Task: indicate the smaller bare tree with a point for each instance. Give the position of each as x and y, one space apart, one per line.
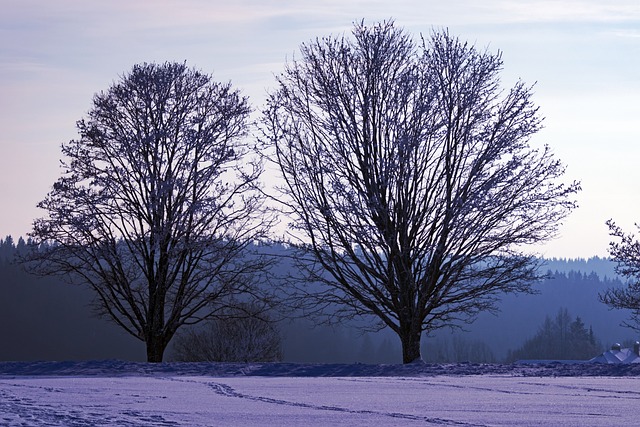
244 334
158 207
626 253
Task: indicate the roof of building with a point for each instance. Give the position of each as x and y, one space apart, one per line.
617 355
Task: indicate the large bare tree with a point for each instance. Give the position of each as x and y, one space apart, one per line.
157 205
410 178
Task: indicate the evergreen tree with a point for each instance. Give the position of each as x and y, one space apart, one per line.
6 249
559 339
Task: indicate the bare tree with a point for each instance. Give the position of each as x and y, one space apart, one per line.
626 254
410 178
157 203
245 334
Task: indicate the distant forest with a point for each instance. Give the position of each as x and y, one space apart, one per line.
44 318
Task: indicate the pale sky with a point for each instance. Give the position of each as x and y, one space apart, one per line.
583 54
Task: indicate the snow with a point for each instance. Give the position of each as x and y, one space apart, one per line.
618 355
100 393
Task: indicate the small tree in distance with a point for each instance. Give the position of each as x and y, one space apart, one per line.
157 205
410 179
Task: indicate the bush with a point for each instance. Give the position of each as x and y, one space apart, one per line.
239 336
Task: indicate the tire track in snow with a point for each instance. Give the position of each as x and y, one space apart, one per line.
536 388
603 393
444 384
228 391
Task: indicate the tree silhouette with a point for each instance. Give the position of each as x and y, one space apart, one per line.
157 203
626 254
410 178
559 339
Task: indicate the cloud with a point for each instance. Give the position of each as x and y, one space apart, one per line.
625 33
569 10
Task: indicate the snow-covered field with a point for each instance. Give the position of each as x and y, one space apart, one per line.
138 394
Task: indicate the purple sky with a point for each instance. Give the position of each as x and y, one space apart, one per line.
583 54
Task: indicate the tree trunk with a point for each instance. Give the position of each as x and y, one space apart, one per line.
411 346
155 349
156 342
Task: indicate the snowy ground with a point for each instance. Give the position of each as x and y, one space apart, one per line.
138 394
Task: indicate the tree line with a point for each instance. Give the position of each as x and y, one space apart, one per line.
44 318
408 179
9 249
